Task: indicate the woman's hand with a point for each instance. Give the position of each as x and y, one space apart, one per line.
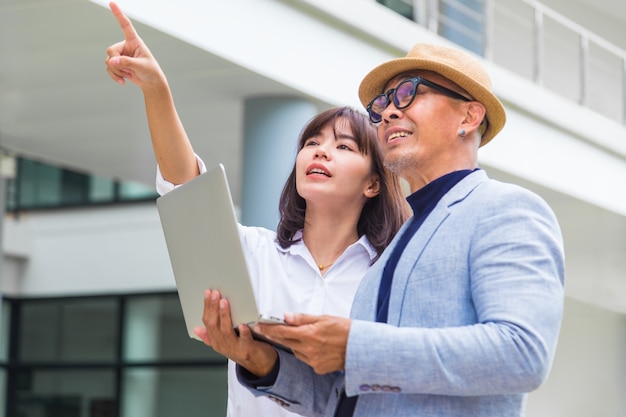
131 59
257 357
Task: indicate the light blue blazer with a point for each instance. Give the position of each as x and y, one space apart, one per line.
474 315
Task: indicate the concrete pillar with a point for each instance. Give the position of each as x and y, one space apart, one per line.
272 126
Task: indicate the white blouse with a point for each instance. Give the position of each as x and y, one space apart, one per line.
288 280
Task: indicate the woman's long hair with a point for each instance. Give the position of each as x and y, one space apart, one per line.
381 216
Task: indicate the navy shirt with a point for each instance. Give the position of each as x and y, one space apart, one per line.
423 201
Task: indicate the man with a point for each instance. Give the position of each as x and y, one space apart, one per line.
461 314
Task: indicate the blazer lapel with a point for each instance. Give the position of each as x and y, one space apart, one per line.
413 251
365 301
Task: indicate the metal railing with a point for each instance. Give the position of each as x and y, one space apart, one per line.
536 42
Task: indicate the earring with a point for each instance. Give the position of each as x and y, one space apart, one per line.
462 132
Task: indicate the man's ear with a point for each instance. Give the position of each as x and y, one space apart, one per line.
474 115
373 188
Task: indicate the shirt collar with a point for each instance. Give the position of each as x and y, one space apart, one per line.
427 197
298 248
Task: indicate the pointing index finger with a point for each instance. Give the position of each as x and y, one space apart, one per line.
127 27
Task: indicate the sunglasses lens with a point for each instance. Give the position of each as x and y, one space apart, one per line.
404 94
376 108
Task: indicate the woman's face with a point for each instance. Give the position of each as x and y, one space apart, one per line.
331 169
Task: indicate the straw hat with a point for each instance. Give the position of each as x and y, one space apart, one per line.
455 65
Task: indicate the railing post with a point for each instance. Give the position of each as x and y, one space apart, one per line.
433 16
428 14
624 90
488 39
584 69
420 12
538 46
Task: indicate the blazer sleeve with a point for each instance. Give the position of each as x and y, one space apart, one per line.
297 387
482 307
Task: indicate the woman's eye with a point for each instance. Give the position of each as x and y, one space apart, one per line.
310 143
346 147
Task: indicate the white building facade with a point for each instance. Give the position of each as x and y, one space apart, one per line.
90 323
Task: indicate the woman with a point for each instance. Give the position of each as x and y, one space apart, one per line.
338 209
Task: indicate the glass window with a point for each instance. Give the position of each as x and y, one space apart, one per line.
462 22
67 393
149 392
403 7
72 360
3 390
74 188
68 330
154 329
135 191
5 319
39 185
101 189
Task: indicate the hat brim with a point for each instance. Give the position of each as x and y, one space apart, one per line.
374 83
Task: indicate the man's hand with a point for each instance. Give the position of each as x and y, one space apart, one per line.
319 341
257 357
131 59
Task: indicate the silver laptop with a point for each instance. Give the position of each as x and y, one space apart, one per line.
200 227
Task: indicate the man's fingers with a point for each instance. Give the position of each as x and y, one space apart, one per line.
284 334
127 27
292 332
300 319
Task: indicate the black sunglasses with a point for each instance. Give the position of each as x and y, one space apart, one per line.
403 96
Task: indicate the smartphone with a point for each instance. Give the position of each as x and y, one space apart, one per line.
266 319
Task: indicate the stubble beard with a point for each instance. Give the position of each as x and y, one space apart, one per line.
401 163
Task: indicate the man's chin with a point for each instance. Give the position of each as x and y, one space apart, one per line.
397 163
